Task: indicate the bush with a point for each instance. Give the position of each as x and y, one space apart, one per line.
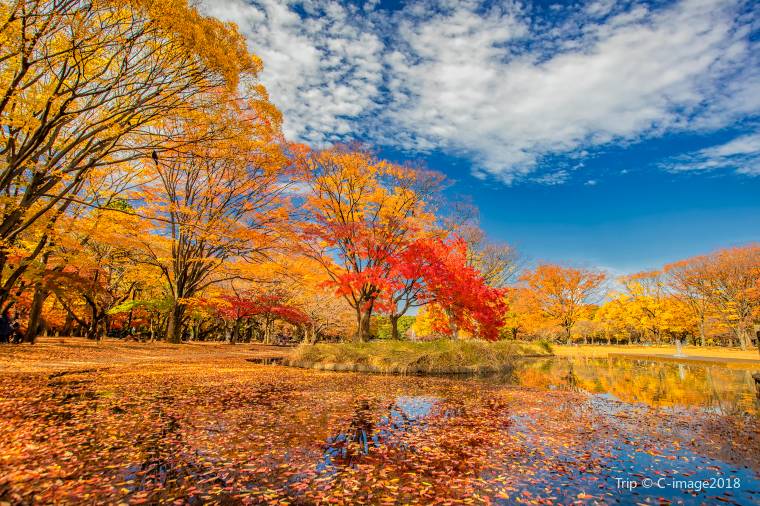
441 356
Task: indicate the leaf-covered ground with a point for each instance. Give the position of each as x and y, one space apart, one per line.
203 425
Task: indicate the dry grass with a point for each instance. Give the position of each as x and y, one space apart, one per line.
405 357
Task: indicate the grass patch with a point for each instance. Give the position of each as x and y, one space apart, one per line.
405 357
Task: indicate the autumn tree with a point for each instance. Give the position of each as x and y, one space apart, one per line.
407 282
655 311
498 263
616 318
93 270
267 307
520 317
562 294
460 295
362 212
311 292
216 196
689 281
732 277
80 85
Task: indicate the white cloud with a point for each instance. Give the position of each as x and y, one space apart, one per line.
591 182
322 69
637 73
600 8
497 83
552 178
741 155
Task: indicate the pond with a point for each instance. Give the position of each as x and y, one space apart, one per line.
619 459
593 431
662 384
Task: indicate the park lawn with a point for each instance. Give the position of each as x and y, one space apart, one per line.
52 354
593 350
441 356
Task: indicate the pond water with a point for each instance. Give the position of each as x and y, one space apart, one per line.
557 430
662 384
621 460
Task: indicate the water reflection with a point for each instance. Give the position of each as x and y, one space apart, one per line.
572 454
308 438
371 426
713 388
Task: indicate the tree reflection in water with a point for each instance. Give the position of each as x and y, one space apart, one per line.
372 426
712 388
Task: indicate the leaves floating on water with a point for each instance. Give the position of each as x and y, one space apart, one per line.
223 430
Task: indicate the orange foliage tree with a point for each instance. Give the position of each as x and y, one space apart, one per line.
81 83
362 212
215 196
654 310
732 288
561 294
689 282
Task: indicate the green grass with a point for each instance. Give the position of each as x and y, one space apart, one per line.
405 357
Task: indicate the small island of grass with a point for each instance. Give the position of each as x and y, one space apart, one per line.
441 356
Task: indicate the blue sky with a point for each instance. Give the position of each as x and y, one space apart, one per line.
613 134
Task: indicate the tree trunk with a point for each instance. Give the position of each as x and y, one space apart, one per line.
363 324
268 329
129 323
174 326
366 325
394 327
702 331
308 329
35 313
453 327
358 336
741 333
92 329
314 334
737 332
68 325
235 331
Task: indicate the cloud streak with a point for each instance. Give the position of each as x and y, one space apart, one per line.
740 155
